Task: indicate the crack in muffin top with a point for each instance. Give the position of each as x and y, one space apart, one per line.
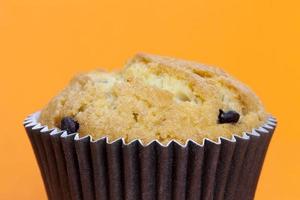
156 97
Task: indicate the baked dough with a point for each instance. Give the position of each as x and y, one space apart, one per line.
156 97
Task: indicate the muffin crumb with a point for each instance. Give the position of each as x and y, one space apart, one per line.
156 97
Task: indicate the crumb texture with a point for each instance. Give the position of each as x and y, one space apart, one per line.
156 97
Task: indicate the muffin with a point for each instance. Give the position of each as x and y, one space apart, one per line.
161 128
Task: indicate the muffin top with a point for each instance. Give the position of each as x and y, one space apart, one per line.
156 97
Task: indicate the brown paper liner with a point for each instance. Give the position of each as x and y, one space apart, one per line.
80 168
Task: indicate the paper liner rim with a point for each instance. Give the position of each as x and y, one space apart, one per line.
32 121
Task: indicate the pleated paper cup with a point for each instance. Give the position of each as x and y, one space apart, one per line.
75 168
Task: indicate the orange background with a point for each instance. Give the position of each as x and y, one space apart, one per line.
44 43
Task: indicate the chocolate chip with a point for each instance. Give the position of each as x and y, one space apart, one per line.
69 124
230 116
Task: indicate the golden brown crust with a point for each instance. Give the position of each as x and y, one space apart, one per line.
156 97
